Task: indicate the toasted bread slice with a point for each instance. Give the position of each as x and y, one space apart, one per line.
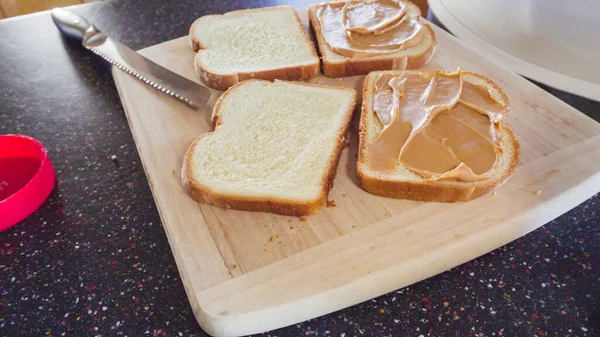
403 183
336 65
275 147
267 43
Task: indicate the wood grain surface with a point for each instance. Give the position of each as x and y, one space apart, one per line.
10 8
249 272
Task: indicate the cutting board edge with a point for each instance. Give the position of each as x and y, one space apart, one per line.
223 274
216 306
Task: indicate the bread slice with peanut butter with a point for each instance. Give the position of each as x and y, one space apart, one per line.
434 136
356 37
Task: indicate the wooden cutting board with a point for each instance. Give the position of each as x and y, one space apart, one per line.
249 272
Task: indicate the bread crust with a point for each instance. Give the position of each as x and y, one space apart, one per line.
434 191
224 81
361 66
203 194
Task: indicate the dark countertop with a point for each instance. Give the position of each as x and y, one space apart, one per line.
94 259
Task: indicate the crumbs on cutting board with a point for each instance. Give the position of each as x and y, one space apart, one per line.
331 203
303 219
538 192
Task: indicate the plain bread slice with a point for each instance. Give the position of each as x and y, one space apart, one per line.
275 147
266 43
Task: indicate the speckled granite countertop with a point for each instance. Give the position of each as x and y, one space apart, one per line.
94 259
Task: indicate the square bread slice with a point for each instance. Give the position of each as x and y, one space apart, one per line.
266 43
275 147
403 183
336 65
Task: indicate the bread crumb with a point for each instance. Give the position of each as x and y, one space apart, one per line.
173 171
113 157
343 195
303 219
234 266
538 192
271 238
291 227
281 243
266 250
277 236
331 203
494 192
345 142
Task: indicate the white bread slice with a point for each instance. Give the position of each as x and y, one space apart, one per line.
336 65
267 43
275 147
404 183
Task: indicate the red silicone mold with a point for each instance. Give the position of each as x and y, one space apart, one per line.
26 178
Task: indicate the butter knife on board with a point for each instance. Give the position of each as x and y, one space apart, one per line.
128 60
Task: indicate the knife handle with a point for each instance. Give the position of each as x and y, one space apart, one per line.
70 24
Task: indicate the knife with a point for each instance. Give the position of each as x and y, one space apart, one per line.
77 27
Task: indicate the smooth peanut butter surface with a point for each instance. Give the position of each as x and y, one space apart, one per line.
437 125
369 27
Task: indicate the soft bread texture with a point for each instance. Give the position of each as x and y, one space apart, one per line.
267 43
275 147
405 184
336 65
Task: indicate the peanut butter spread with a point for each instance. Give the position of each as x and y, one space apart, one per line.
363 28
436 125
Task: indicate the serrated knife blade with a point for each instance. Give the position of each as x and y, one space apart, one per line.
130 61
